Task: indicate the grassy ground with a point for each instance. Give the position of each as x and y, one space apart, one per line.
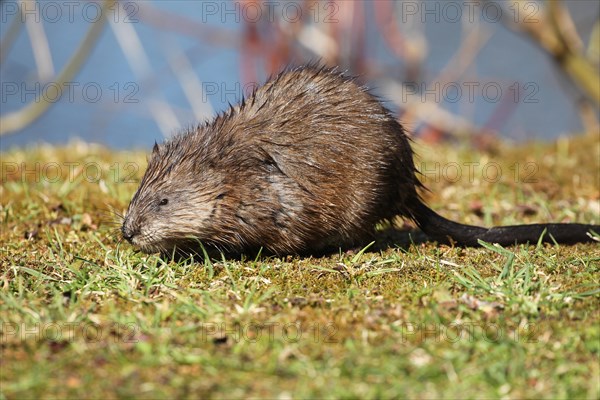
83 315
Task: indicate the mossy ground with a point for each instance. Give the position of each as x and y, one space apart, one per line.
83 315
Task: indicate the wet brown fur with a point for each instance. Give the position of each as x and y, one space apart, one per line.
309 160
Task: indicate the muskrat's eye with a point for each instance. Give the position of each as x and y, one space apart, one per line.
163 202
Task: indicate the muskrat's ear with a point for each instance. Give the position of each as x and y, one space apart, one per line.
155 148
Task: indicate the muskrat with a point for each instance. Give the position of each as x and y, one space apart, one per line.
308 161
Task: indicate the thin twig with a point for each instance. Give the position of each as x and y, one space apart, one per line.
136 56
39 45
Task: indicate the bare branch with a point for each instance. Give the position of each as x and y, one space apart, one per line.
9 37
16 120
555 33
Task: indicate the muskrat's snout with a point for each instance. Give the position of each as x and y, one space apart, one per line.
127 231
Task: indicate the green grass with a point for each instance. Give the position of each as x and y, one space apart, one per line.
83 315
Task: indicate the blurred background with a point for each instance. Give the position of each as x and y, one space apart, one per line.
127 73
